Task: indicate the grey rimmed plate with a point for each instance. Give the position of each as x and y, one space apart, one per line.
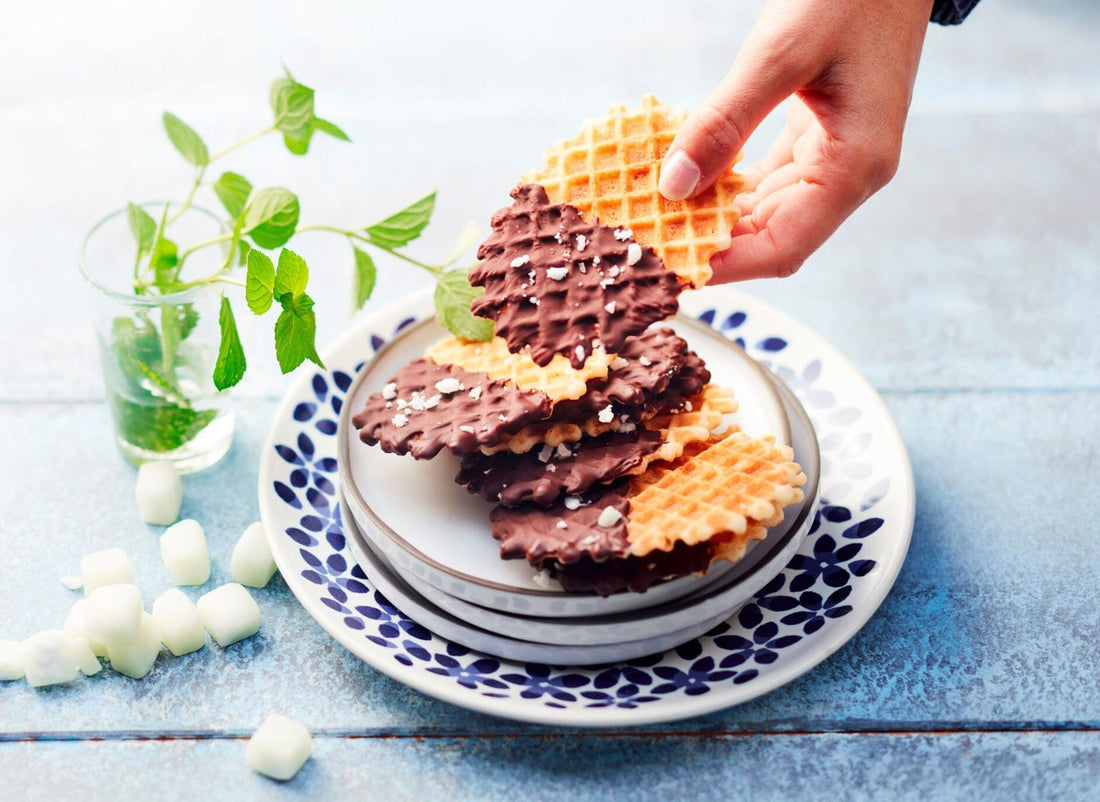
431 529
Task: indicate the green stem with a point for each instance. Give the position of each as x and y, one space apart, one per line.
204 244
190 197
243 142
435 270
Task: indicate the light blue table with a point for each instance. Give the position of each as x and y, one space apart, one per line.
966 292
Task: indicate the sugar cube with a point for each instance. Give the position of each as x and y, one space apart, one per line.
229 613
76 627
159 493
48 658
107 567
113 614
251 563
183 549
11 660
178 622
86 661
135 657
279 748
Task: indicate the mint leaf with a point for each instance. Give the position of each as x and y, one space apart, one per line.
292 104
333 130
299 147
233 190
158 426
185 140
231 364
142 225
164 257
291 275
453 295
404 226
362 282
259 282
271 217
295 331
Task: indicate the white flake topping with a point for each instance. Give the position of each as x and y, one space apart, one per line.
557 273
400 420
389 392
633 253
551 468
467 429
582 242
579 351
610 307
534 301
609 516
475 392
563 452
545 453
449 385
572 502
618 363
561 524
520 261
606 415
623 234
644 361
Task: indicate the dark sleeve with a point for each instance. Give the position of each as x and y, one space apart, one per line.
952 12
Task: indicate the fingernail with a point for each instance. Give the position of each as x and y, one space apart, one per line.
679 176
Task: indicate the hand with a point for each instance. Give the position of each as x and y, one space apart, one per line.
850 66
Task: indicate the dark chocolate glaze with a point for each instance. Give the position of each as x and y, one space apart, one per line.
631 573
534 532
598 296
420 419
543 474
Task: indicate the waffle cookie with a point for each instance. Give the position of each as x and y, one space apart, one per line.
706 505
557 379
558 285
426 407
609 172
543 474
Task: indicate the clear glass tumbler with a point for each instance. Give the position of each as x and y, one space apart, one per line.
158 351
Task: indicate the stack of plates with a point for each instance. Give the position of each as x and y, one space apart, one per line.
426 544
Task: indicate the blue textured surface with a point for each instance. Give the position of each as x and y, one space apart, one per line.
966 291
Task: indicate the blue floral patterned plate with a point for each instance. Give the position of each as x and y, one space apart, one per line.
843 571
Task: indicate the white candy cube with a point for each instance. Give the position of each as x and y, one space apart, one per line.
107 567
252 564
113 614
11 660
135 657
178 622
229 614
159 493
279 748
48 658
75 627
86 661
183 549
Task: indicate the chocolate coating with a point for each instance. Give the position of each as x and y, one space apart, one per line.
415 414
534 532
635 574
542 475
558 284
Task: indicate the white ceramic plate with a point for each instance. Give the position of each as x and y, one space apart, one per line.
419 609
728 593
446 542
827 591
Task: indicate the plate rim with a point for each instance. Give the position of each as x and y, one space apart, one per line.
682 707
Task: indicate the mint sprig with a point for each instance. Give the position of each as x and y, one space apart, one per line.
262 220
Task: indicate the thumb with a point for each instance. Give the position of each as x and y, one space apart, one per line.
712 136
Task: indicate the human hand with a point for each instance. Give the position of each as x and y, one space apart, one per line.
850 66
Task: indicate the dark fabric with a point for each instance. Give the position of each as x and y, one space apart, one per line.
952 12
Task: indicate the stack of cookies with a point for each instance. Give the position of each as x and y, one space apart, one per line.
591 427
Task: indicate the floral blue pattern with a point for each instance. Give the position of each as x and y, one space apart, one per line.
795 607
